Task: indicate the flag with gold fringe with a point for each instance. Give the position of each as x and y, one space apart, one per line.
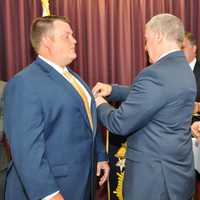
116 146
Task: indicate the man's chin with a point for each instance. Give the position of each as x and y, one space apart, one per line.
73 56
72 59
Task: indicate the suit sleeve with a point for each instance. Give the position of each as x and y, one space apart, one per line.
145 98
100 147
24 126
119 93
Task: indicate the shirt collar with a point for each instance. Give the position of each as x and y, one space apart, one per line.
59 69
192 64
165 54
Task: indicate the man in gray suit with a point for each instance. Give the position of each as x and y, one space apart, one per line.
155 115
3 154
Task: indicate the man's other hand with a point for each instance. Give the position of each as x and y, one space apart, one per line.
103 169
102 89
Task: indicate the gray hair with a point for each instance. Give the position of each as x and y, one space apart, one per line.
170 25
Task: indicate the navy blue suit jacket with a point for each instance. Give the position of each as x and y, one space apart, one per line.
156 116
51 141
196 72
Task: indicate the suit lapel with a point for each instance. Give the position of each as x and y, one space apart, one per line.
196 69
196 72
53 74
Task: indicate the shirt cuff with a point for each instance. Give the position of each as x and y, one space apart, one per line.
50 196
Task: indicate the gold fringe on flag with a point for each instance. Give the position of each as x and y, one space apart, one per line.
45 6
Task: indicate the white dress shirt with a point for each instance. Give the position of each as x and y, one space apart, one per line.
192 64
164 54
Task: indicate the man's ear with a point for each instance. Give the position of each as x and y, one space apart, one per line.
159 36
47 42
194 48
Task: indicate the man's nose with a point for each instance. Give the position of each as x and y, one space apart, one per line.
145 47
74 40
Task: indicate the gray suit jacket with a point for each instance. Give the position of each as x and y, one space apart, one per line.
156 116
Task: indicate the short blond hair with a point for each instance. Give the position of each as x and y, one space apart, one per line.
169 25
41 26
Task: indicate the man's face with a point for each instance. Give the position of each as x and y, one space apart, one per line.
63 43
189 50
150 45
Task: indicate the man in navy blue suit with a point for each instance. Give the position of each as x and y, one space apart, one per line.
50 122
155 114
190 51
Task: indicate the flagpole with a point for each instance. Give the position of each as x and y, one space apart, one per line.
107 151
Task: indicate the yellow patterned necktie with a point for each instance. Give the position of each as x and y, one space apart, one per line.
81 92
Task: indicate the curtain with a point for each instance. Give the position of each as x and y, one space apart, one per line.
109 33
